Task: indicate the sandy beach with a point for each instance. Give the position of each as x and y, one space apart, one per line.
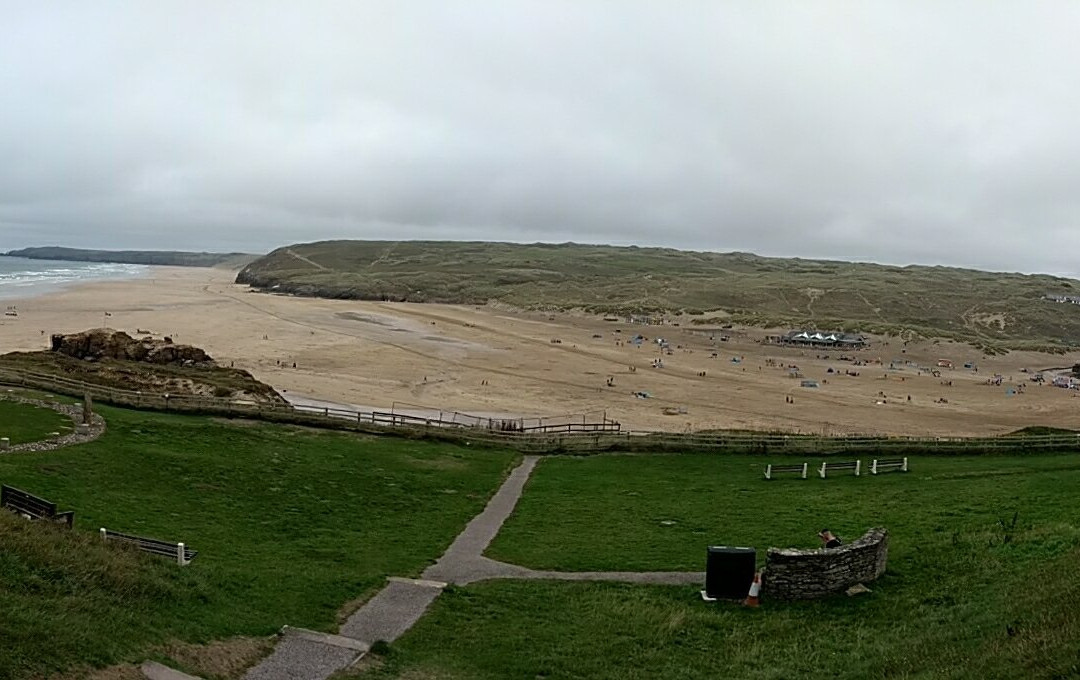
488 361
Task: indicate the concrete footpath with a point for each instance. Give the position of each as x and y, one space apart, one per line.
402 602
307 655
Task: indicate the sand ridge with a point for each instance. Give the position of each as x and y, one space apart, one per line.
491 360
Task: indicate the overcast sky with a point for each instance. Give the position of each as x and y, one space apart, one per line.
907 132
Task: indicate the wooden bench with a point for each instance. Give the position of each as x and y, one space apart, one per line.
32 507
846 465
176 551
885 465
770 469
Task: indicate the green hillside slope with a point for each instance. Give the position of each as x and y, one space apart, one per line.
994 309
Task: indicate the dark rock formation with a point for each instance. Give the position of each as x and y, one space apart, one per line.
114 359
808 574
108 344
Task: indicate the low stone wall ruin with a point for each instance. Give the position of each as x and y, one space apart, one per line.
807 574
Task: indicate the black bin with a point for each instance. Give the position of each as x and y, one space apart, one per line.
729 571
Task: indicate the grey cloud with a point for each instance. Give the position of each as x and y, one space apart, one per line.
897 132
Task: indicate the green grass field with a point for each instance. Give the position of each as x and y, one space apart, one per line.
289 523
967 594
292 523
22 423
992 309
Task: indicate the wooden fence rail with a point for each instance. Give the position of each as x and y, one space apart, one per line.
574 438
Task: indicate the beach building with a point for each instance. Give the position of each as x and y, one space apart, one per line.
1070 299
808 338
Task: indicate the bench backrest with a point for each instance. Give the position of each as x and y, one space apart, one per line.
885 465
19 500
150 545
770 469
844 465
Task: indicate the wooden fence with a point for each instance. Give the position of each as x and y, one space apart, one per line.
574 438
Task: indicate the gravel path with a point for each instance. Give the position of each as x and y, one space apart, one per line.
663 578
402 602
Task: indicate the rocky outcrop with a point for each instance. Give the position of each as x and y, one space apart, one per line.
808 574
103 343
114 359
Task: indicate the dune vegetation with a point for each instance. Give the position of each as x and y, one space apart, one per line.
994 310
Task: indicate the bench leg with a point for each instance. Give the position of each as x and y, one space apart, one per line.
180 554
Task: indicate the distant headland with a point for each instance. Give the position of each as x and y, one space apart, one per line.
165 258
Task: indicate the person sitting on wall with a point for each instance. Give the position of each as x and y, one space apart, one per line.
829 539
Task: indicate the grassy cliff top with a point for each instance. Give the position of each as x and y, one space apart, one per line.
988 308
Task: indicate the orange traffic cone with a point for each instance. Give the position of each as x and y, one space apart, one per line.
752 600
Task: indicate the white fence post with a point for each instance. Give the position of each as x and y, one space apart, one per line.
804 467
180 554
768 471
905 464
104 536
873 467
858 464
822 470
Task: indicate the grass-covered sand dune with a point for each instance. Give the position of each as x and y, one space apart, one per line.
990 308
290 524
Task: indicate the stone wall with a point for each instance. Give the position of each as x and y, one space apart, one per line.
808 574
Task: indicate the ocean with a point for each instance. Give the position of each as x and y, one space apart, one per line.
23 278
